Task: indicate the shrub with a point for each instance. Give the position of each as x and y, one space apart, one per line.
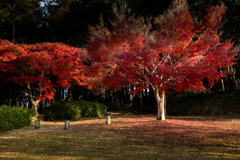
74 110
204 104
12 118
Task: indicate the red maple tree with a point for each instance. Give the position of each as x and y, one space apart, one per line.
179 53
41 67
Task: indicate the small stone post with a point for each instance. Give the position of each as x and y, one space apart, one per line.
108 122
67 125
37 124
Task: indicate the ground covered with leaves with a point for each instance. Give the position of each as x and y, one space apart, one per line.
128 137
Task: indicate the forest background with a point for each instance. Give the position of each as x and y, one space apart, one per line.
67 21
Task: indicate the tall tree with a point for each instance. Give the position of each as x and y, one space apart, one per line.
68 20
42 68
179 53
146 8
14 11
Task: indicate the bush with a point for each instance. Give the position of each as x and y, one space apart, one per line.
12 118
74 110
204 104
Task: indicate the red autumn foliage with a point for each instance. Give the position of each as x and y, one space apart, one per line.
42 67
178 54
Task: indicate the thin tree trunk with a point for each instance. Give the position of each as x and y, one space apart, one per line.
95 98
62 96
46 103
18 98
223 87
29 103
146 95
17 103
10 99
120 97
127 93
165 104
13 98
132 95
141 99
43 105
234 77
14 31
70 94
40 107
232 74
111 94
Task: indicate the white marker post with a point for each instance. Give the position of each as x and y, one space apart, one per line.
108 120
67 125
37 124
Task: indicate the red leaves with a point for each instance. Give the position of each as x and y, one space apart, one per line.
44 65
214 16
178 53
46 96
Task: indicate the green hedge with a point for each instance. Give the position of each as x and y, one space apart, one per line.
11 118
74 110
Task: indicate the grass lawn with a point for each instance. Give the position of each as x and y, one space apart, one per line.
128 137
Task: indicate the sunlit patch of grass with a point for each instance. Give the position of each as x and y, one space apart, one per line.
128 137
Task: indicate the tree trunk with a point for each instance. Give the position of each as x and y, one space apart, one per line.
34 102
223 87
165 104
146 95
35 105
127 93
160 104
119 97
18 98
10 98
17 104
40 108
69 94
112 98
14 41
141 99
232 74
46 103
95 98
43 105
62 96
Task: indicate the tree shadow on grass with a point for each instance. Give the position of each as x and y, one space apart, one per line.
125 138
205 118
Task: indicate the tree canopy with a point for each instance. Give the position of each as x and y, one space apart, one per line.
41 67
178 54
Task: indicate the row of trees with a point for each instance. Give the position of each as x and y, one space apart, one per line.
130 54
25 21
34 21
43 20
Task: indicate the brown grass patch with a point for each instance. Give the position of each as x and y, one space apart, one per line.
128 137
